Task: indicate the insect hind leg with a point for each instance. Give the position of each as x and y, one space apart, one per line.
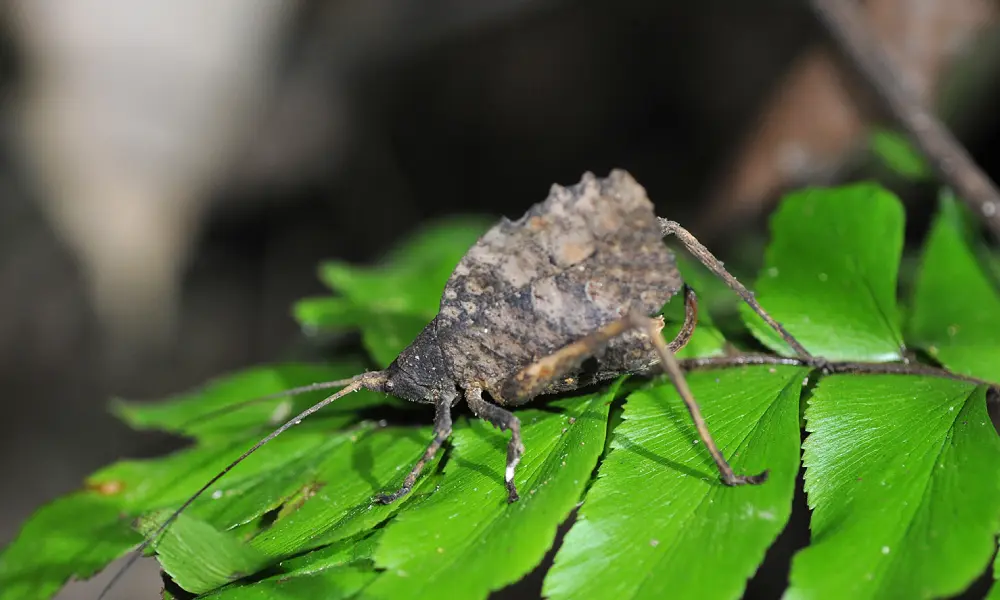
676 374
699 251
539 377
536 377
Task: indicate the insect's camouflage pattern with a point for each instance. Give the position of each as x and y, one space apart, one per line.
585 257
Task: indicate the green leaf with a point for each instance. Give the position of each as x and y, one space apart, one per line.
899 156
257 485
437 247
956 307
339 502
384 333
220 408
329 584
465 540
322 482
385 337
391 303
345 552
340 570
830 274
995 590
324 485
75 536
903 475
197 556
320 313
659 519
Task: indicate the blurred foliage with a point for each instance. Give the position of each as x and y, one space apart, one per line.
897 155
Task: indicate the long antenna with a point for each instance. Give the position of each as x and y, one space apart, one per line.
369 380
290 392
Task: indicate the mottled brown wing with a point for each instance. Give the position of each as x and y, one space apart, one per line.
573 263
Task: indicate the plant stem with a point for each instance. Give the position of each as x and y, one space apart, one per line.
946 155
830 367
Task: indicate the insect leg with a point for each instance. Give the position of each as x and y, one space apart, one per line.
534 379
537 378
706 258
504 420
673 369
442 431
690 320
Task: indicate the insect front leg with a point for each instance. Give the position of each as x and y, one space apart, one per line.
503 420
442 431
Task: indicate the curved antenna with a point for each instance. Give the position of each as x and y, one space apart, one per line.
290 392
371 380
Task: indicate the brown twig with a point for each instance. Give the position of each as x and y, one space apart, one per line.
944 153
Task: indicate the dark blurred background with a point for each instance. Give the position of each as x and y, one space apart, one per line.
171 171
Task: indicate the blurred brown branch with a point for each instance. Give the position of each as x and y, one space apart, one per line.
946 155
818 116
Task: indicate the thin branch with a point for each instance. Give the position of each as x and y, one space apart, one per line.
828 367
740 360
945 154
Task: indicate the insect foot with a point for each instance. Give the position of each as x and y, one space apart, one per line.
514 452
733 480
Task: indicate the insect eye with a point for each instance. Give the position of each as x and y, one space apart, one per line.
389 385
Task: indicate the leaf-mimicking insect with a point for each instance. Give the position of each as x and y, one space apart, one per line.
572 283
